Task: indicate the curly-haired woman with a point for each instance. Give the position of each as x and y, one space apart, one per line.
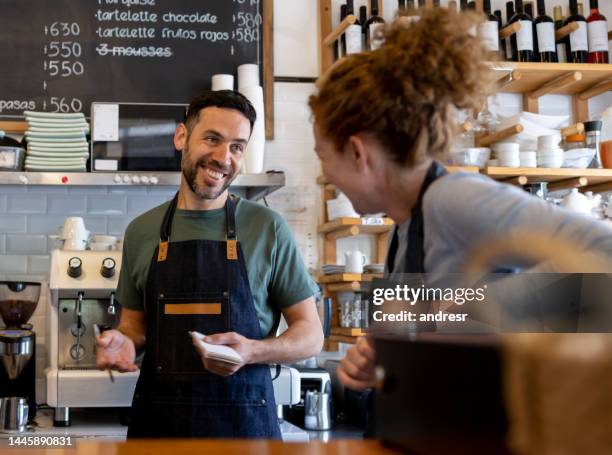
384 120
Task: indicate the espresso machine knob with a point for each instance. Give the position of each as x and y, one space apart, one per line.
108 268
74 267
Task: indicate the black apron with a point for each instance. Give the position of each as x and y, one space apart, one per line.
199 285
415 253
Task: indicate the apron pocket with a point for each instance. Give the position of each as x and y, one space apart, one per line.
177 315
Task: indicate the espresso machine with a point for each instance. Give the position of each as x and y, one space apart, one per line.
82 287
18 300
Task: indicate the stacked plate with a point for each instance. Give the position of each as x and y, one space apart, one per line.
374 268
508 154
528 158
549 155
56 142
332 269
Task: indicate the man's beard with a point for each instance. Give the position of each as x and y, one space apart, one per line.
190 172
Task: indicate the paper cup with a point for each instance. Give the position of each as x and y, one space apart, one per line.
248 76
254 156
222 82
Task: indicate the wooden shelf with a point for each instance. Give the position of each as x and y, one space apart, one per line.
333 340
347 332
362 226
321 180
348 277
563 178
537 75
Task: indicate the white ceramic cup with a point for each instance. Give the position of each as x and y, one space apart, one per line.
222 82
102 246
354 261
74 244
248 76
74 228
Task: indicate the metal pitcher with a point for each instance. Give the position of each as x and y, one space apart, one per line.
317 411
13 414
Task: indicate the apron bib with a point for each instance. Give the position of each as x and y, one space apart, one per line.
199 285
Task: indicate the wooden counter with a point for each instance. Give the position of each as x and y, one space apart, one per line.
214 447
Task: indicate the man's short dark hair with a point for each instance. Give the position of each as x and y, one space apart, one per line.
226 99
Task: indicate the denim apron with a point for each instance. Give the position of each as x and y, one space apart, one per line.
199 285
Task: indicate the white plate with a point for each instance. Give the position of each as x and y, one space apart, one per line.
55 169
58 130
80 148
36 153
58 144
58 115
55 140
68 135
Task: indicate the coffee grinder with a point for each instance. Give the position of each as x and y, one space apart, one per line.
18 300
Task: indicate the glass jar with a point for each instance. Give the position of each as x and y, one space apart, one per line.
573 141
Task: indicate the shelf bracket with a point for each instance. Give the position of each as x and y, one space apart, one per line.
339 30
566 30
578 128
509 30
521 180
597 89
342 233
530 100
487 140
578 182
556 84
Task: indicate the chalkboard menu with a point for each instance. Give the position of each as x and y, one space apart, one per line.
60 55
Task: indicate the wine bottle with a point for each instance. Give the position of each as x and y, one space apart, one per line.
558 15
597 28
421 4
463 5
353 32
373 24
529 12
488 31
546 35
522 41
436 3
509 16
401 5
502 43
414 14
343 37
577 43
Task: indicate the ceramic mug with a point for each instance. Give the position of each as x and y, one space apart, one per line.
74 228
354 261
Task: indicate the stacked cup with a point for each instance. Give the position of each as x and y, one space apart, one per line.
549 154
528 158
508 154
249 86
222 82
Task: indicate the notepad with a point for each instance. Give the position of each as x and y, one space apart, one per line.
217 352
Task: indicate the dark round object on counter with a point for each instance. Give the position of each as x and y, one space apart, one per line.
7 141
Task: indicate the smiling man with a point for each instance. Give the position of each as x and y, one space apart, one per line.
219 265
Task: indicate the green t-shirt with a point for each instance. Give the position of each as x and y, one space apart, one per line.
277 275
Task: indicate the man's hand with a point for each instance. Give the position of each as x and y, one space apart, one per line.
356 370
115 351
240 344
